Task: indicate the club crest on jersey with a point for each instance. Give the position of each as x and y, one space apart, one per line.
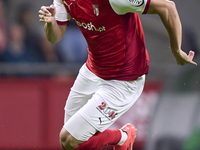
96 9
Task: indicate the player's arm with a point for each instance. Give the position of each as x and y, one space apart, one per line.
170 18
53 31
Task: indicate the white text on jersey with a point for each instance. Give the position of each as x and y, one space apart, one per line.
89 26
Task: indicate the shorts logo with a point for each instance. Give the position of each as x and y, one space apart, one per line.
106 111
100 120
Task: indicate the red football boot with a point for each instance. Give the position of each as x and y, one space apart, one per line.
128 144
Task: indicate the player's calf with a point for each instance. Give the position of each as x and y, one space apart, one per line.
67 141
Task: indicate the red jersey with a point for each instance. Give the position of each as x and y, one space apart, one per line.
116 44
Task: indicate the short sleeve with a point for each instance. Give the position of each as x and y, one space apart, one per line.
62 16
126 6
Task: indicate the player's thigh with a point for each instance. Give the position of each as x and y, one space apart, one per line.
110 101
82 90
79 128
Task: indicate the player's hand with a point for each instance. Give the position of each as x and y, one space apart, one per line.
182 58
47 14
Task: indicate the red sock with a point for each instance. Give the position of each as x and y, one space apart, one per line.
100 139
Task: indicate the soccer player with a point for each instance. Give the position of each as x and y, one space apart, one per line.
113 77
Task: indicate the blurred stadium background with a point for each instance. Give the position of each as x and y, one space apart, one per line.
35 78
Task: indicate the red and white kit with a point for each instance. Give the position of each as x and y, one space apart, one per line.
113 77
116 43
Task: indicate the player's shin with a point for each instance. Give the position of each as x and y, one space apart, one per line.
100 139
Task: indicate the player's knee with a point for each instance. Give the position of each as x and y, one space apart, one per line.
67 141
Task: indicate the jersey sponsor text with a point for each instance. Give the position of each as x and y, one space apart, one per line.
89 26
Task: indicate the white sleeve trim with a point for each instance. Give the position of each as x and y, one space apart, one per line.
125 6
61 13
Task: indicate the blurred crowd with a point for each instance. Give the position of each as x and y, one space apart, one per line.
22 42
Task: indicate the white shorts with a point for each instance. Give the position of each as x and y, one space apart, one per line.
100 102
